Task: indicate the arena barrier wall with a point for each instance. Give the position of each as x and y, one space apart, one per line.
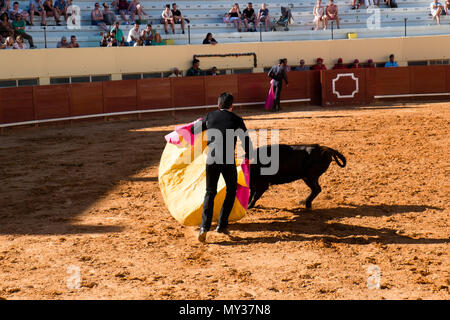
46 103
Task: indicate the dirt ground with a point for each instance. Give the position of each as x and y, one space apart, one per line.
85 197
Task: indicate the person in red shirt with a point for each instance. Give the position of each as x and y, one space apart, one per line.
355 64
339 65
319 65
370 64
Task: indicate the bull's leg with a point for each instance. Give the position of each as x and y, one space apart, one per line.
260 189
313 184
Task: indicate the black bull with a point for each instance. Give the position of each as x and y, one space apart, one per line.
307 162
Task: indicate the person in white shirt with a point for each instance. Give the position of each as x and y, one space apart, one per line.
175 73
19 44
319 13
167 17
436 10
133 35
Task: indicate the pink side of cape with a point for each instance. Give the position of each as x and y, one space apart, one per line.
270 97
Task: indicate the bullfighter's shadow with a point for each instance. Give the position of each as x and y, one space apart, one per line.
310 225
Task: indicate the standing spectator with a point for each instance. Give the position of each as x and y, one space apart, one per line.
249 16
263 16
37 9
391 63
355 64
209 39
302 66
235 16
339 65
118 34
73 42
175 73
319 15
19 43
19 29
6 28
319 65
278 73
370 64
195 70
50 11
133 35
16 10
177 16
436 9
63 43
97 17
167 18
109 17
331 12
61 8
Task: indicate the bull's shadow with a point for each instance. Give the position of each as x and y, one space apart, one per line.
309 225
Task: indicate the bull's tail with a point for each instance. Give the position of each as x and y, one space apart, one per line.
337 156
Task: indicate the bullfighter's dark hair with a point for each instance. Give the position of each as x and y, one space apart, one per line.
225 100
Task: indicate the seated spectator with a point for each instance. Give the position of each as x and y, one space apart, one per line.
97 18
73 42
148 35
357 3
263 16
175 73
302 66
109 17
19 30
50 11
213 72
319 65
121 6
370 64
9 43
118 33
331 12
339 65
104 40
391 63
63 43
391 3
167 18
135 8
112 39
209 39
16 10
61 8
19 43
355 64
177 17
133 35
235 16
157 40
37 9
446 5
195 70
436 9
6 28
4 6
249 16
319 15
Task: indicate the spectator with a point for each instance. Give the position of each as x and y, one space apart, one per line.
213 72
9 43
263 16
209 39
157 40
370 64
148 35
235 16
167 18
50 11
175 73
135 8
331 12
357 3
319 15
73 42
391 3
19 29
447 4
436 9
16 10
302 66
19 43
391 63
195 70
319 65
249 16
177 17
6 28
104 40
133 35
97 17
355 64
37 9
118 33
63 43
61 8
339 65
4 6
112 39
109 17
121 7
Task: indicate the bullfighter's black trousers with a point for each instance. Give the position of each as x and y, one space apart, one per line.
229 174
277 91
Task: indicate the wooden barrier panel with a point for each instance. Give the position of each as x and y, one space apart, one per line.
215 85
253 87
298 86
119 95
51 101
315 87
16 104
188 91
343 87
427 79
86 98
390 81
154 93
447 78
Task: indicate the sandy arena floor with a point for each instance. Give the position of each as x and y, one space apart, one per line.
86 196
